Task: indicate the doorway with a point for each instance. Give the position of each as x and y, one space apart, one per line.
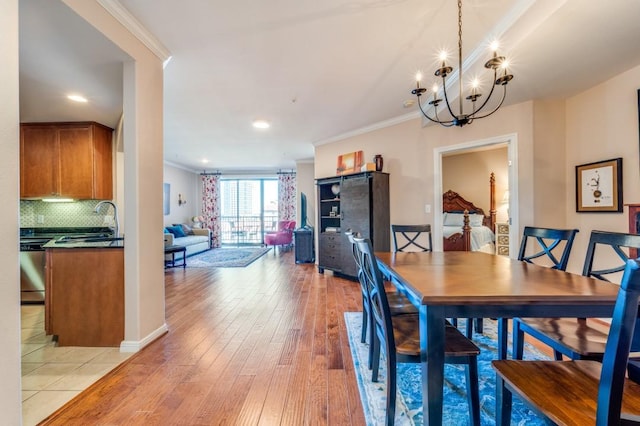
509 141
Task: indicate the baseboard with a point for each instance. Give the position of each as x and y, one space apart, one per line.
136 345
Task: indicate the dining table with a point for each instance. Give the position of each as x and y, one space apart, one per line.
458 284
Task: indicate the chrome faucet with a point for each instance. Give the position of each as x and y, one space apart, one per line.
115 215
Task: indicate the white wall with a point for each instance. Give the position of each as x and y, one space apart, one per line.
306 183
10 387
143 169
187 184
602 123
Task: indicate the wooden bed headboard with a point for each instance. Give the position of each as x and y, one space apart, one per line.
453 202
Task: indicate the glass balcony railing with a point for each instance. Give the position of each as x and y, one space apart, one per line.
246 230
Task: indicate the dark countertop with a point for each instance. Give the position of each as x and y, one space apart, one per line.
71 244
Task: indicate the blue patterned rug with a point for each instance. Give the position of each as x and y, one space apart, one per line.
226 257
409 400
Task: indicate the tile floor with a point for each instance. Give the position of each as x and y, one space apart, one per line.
51 375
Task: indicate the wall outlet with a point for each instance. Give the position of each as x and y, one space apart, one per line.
427 208
40 218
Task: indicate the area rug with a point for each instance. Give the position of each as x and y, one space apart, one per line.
409 399
237 257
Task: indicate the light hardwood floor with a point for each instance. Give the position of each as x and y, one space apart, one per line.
262 345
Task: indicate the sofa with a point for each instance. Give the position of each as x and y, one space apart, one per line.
194 240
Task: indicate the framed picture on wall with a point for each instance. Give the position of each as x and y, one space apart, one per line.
166 192
599 187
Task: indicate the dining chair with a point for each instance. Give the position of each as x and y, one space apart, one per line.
398 336
411 238
551 248
418 238
580 392
551 244
575 337
398 303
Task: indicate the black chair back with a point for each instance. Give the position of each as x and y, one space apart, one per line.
380 310
616 241
616 353
549 243
411 237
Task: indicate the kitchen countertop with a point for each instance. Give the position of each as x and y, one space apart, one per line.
89 243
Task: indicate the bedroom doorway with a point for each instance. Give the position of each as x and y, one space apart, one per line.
499 142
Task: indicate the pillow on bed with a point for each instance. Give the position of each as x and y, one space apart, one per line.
453 219
457 219
476 219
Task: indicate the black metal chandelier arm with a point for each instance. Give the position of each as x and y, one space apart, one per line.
446 98
504 95
444 123
449 123
486 100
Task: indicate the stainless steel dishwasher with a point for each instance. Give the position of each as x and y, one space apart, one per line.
32 270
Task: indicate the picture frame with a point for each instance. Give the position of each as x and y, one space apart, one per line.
166 192
349 163
599 187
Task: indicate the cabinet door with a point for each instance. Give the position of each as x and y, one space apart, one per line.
76 162
355 203
102 162
38 162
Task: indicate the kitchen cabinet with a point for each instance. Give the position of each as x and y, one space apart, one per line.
71 160
84 296
357 202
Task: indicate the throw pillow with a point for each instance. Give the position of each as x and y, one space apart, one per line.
176 231
166 231
185 228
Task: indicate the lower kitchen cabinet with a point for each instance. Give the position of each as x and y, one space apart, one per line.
84 296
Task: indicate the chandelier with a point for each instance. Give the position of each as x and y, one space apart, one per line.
496 63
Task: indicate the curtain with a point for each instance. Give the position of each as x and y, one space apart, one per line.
211 206
287 196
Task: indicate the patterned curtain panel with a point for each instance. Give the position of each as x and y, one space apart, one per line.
287 196
211 206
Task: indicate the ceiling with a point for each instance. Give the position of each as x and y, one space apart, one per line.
317 71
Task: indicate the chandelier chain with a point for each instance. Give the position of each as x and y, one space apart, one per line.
460 56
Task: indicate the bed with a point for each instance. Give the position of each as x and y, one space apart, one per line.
466 227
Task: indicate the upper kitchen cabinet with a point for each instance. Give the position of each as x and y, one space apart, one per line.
71 160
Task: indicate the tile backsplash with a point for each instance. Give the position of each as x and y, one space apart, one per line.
40 214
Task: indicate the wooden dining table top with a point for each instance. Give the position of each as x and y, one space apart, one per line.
481 285
443 278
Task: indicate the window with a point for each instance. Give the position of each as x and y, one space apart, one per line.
248 209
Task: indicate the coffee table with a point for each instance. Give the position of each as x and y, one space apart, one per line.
172 250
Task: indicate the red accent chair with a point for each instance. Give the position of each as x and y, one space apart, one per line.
283 237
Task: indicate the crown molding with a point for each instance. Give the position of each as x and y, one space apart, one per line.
371 128
122 15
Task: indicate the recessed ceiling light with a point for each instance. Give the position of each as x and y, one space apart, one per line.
261 124
205 161
77 98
